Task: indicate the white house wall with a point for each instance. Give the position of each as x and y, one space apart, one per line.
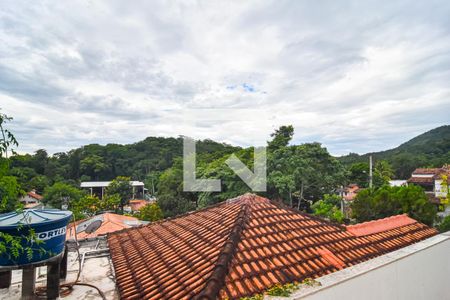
420 271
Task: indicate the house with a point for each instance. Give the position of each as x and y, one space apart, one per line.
31 199
432 181
243 246
100 225
349 192
98 188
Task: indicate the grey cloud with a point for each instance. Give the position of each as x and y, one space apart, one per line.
116 69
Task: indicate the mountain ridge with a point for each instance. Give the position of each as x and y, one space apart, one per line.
429 149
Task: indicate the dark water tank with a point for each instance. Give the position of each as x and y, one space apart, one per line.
50 227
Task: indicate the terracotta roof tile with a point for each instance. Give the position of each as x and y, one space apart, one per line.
426 171
244 246
109 223
421 180
35 195
380 225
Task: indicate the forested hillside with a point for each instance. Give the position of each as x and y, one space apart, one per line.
139 161
430 149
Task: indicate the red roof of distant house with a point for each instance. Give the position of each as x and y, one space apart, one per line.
380 225
109 223
436 173
242 247
137 204
421 180
35 195
426 171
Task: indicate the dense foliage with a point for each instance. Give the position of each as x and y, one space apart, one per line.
142 161
444 226
329 208
151 212
296 174
88 206
121 188
371 204
359 174
9 186
60 194
13 246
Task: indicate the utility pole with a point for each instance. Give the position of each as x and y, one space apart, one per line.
370 171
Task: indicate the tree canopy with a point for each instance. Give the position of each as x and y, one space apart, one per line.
121 187
371 204
151 212
9 186
60 194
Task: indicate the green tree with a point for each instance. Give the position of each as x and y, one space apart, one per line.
281 137
359 174
93 166
110 202
444 226
88 205
303 173
9 193
231 184
171 198
382 173
39 183
151 212
121 186
9 187
152 181
61 193
7 139
388 201
329 208
39 161
23 175
85 207
12 246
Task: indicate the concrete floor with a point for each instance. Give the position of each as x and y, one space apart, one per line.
96 270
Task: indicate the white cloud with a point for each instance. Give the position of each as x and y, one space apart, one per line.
355 76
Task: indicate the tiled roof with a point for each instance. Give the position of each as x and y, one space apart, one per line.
426 171
35 195
380 225
239 248
136 204
435 172
109 223
421 180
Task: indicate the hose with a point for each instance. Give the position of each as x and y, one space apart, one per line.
67 288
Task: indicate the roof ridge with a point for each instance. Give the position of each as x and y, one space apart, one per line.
216 280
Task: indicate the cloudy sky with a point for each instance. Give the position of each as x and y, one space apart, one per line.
356 76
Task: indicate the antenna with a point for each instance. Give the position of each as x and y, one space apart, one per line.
370 171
